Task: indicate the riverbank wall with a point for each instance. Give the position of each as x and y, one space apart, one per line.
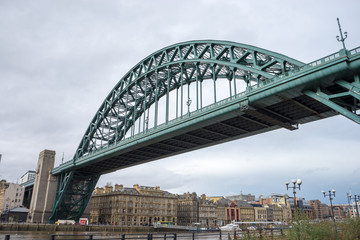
79 228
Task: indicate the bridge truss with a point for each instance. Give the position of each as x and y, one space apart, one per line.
175 68
174 85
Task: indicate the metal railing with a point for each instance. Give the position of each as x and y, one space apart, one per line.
148 236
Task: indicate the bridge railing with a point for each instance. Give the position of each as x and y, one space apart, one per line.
152 236
355 51
318 62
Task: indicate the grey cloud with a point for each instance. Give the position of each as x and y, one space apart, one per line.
59 60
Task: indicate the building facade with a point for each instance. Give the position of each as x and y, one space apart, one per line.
273 199
259 213
242 197
247 213
28 176
277 212
317 208
137 206
207 212
188 209
11 196
340 210
220 212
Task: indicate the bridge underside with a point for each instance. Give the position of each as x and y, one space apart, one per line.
282 110
286 113
325 88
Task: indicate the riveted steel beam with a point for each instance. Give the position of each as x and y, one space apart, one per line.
107 144
190 62
270 119
325 99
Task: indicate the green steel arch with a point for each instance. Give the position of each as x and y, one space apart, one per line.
172 68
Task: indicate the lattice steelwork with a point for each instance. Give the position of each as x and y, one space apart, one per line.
265 90
73 193
177 68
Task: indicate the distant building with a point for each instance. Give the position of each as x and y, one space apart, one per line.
207 209
18 214
215 198
242 197
277 206
274 198
220 211
269 213
28 176
247 213
340 210
11 196
277 212
137 206
317 207
352 209
187 209
232 213
260 213
239 211
304 206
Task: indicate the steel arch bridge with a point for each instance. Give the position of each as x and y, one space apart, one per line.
175 68
161 107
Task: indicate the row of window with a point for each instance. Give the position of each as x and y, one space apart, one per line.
130 198
130 204
129 221
135 211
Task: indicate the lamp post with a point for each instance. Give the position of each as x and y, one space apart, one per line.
295 182
331 194
188 103
355 198
341 38
147 123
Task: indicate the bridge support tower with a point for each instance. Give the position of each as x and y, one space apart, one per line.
43 196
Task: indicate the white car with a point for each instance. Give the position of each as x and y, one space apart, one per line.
230 227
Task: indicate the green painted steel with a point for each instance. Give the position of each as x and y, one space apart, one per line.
325 99
185 63
72 196
334 100
269 80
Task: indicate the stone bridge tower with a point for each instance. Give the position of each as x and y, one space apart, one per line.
43 197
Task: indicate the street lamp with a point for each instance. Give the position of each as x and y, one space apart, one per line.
341 38
295 182
331 194
188 103
147 123
355 198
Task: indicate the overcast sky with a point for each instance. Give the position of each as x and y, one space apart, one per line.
60 59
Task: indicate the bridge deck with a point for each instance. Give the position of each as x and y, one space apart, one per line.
280 103
318 90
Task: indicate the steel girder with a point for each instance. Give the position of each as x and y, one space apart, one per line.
336 101
72 195
170 69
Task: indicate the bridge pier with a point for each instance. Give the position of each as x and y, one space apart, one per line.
42 200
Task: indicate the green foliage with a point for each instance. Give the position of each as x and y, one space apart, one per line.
303 228
350 229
